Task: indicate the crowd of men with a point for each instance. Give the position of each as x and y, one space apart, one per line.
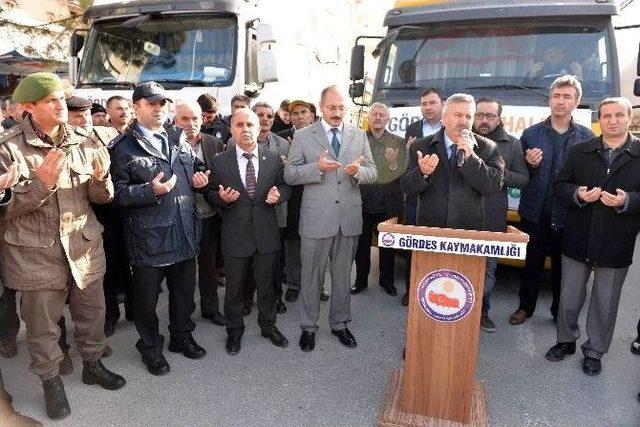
99 201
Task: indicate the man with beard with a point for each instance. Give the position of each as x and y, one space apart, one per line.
488 123
247 184
189 118
380 201
119 111
155 173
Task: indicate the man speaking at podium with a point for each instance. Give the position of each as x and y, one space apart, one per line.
451 170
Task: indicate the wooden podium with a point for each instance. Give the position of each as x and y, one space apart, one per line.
437 386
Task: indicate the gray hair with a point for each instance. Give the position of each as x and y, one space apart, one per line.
190 104
261 105
379 105
567 81
248 111
459 98
616 100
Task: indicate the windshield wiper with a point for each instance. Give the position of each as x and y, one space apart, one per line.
183 81
532 89
128 84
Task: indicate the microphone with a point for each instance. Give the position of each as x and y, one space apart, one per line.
466 134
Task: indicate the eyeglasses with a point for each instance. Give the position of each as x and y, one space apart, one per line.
489 117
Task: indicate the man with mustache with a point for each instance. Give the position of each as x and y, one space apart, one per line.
601 184
380 201
543 214
488 123
119 111
247 184
331 159
188 116
155 173
52 248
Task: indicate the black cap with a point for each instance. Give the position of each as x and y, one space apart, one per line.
151 91
97 108
77 103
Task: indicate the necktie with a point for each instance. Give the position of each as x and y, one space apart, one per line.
250 176
335 143
163 144
452 156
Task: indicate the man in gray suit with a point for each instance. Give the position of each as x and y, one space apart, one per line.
331 159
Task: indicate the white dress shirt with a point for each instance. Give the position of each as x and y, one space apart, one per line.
243 161
329 133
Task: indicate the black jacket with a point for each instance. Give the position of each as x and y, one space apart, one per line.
158 230
452 196
597 234
218 129
248 224
516 175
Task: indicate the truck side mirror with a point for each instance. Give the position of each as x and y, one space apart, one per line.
77 41
265 34
356 90
267 67
356 71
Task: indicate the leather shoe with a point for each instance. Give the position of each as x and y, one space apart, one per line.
591 366
187 346
635 346
96 373
307 341
324 295
55 398
8 349
404 301
234 344
276 337
216 318
518 317
109 328
156 365
391 290
280 307
291 295
560 350
66 366
345 337
357 288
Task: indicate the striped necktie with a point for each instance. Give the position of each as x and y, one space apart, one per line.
250 176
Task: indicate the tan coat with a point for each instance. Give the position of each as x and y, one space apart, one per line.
47 232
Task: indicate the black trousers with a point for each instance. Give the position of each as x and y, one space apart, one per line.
238 271
279 276
181 282
10 321
117 276
386 256
208 266
543 241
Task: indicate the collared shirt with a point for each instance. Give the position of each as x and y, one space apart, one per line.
610 154
329 133
53 140
243 161
448 143
427 129
155 138
197 148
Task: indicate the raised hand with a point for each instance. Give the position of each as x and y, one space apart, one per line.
228 195
589 196
273 196
324 164
391 155
533 156
614 200
427 164
410 141
51 167
200 179
9 178
352 168
101 162
159 187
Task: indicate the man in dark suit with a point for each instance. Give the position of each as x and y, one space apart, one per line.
246 184
189 118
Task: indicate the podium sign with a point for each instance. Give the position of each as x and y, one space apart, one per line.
447 282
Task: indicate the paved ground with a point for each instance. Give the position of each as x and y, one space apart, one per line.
336 386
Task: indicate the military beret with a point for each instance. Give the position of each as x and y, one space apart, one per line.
97 108
77 103
36 86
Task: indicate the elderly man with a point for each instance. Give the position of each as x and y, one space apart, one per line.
488 123
380 201
301 117
247 184
119 111
188 117
331 159
601 184
543 214
52 249
155 173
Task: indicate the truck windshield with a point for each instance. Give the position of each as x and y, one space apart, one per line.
179 51
524 58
